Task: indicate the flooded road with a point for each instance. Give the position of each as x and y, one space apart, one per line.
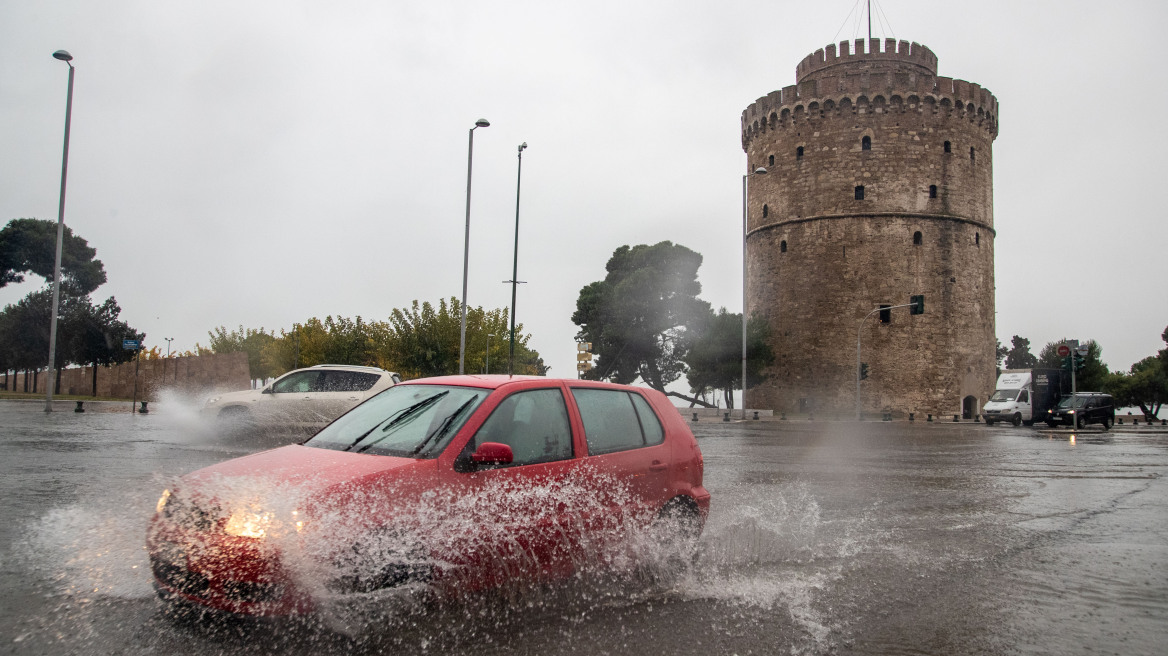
823 538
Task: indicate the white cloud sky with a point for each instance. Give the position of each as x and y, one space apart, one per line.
262 162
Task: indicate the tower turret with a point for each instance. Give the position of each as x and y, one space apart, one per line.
879 187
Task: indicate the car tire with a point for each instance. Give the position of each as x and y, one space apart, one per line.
1080 422
989 422
1017 419
679 525
1052 424
1106 423
234 414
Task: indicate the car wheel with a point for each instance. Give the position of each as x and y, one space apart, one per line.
679 524
1017 420
1052 424
1106 423
989 422
235 415
1080 421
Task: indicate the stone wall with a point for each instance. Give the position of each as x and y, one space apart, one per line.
820 257
194 375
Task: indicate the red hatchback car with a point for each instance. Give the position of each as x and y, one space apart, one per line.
453 484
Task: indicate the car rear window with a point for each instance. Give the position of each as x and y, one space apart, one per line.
347 381
616 420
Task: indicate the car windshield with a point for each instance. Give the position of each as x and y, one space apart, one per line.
1004 395
1073 402
412 421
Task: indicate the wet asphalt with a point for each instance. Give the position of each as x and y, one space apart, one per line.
824 538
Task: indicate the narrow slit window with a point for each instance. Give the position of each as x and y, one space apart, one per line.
866 143
783 246
799 152
771 160
885 313
932 191
977 239
948 147
859 192
918 239
971 154
765 211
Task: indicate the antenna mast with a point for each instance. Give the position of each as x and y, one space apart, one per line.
869 21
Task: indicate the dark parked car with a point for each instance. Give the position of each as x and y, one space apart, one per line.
1083 408
453 484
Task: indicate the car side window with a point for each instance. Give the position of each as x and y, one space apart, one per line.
1024 397
615 420
347 381
533 423
298 382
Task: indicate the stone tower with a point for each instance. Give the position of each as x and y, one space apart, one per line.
879 187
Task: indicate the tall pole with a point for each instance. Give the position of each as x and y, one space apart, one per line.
487 366
515 262
52 368
481 123
759 171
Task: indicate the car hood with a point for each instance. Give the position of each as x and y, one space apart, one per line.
303 473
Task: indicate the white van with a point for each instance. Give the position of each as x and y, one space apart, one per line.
1022 395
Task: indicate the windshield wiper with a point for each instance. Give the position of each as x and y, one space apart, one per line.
444 426
397 419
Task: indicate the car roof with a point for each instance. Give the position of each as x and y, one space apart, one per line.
495 381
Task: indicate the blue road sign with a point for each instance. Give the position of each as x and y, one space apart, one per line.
130 344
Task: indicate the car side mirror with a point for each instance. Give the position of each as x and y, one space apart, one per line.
492 453
267 390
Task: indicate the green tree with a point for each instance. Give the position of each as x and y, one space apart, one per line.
1019 355
637 317
714 354
250 341
30 246
1094 374
1001 352
1145 385
93 335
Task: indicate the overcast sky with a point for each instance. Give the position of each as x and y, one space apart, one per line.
263 162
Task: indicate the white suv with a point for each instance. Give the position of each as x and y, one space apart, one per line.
315 395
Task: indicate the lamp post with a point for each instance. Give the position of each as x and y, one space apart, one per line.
487 367
515 263
64 56
168 341
759 171
481 123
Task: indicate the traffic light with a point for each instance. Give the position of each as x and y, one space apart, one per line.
863 371
1066 364
1080 362
918 304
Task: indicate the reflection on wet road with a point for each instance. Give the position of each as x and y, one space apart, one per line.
823 538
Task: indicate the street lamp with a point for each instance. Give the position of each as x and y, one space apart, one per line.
759 171
64 56
481 123
515 264
168 341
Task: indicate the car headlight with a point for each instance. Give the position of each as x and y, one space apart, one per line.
1071 412
258 525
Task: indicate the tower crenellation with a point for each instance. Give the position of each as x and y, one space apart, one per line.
904 55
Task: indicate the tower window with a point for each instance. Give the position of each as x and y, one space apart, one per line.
771 160
885 313
948 147
917 238
866 143
765 211
977 239
859 192
799 152
783 246
971 153
932 191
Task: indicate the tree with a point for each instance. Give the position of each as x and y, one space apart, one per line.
424 341
250 341
1019 355
93 334
1092 377
637 317
1145 385
1001 352
714 354
30 246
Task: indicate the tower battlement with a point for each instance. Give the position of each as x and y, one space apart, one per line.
903 56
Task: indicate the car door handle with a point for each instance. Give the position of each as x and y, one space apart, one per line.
657 465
